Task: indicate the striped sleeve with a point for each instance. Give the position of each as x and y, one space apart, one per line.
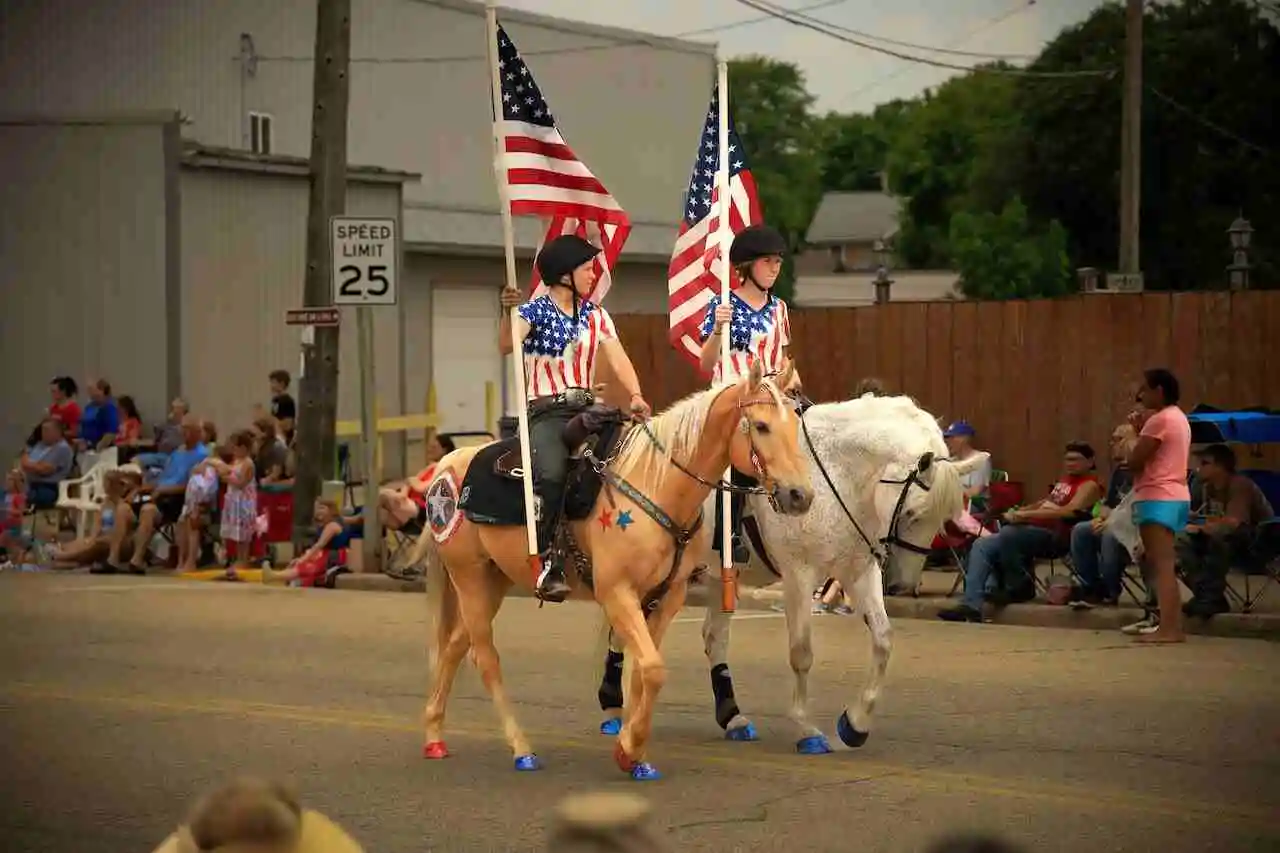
608 332
784 323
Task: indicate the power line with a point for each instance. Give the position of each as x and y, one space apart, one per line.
1200 119
1022 7
784 15
910 45
607 43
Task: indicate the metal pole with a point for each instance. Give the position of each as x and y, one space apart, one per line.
1131 142
369 441
728 583
318 389
508 239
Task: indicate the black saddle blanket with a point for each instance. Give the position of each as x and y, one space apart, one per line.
491 490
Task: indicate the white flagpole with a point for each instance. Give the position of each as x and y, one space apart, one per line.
509 244
728 584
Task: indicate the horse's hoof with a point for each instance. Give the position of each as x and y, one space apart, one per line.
851 736
813 745
742 734
527 763
625 764
645 772
611 726
435 749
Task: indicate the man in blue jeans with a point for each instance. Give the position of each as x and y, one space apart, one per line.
1097 555
1028 533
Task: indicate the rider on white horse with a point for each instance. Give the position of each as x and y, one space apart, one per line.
759 330
562 332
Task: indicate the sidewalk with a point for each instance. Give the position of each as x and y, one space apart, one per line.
1264 622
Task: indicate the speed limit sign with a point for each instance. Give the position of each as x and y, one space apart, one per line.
365 260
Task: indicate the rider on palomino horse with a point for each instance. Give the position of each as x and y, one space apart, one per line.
562 333
759 330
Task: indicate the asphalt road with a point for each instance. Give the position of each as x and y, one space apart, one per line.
121 698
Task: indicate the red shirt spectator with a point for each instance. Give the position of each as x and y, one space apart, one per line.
64 408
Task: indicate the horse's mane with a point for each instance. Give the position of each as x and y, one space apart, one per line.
677 428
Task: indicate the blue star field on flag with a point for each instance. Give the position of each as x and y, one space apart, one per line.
552 332
703 180
521 98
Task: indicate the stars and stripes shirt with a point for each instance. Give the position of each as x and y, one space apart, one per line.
560 354
761 335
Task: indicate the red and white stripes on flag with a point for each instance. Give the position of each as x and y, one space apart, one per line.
546 179
693 276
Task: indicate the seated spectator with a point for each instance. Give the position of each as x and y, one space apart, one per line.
959 437
1099 558
96 545
13 504
100 422
46 464
404 506
271 454
1029 533
168 438
130 434
328 553
869 385
1227 507
160 502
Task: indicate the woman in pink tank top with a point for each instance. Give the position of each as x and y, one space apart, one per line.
1161 497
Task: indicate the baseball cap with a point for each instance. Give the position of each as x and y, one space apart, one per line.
960 427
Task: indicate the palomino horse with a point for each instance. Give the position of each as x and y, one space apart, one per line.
629 548
882 486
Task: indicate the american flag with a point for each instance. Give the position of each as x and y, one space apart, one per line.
693 276
546 179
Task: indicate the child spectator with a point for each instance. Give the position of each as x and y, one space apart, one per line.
130 422
197 507
326 554
240 506
283 408
14 504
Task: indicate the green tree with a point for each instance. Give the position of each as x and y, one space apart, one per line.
1211 72
855 146
770 107
1002 256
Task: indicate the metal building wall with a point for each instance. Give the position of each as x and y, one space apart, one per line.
84 282
244 249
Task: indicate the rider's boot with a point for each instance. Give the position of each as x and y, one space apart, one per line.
552 584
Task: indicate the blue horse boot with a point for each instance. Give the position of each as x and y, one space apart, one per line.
813 745
528 763
742 734
611 726
851 736
645 772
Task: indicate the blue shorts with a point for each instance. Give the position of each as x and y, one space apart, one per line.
1170 514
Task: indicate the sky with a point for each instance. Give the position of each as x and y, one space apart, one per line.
843 77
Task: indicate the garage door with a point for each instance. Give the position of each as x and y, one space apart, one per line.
465 354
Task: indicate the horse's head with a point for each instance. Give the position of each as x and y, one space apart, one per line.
915 500
766 443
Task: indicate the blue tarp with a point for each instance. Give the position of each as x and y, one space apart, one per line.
1241 427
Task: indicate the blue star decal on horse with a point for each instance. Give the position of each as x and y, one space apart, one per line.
624 519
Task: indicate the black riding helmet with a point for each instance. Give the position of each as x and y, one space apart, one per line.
755 242
562 256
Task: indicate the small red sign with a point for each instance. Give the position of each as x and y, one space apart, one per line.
312 317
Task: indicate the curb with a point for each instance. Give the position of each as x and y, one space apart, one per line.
1243 625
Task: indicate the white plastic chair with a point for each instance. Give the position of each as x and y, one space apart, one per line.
90 491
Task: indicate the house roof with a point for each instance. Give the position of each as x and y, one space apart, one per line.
844 217
852 289
478 231
199 156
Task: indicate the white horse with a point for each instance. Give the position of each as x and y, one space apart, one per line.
883 489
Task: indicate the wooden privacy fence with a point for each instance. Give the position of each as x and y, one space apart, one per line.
1029 375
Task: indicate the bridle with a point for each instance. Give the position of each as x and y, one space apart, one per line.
892 536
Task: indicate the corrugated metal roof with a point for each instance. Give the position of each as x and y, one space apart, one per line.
200 156
470 231
847 216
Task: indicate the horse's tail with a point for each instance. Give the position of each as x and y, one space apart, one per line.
442 601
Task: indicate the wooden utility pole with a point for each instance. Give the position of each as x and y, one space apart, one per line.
1131 142
318 389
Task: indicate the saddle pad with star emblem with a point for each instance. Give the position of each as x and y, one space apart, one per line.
491 493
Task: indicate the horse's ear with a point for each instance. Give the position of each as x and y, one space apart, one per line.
787 376
755 376
925 462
